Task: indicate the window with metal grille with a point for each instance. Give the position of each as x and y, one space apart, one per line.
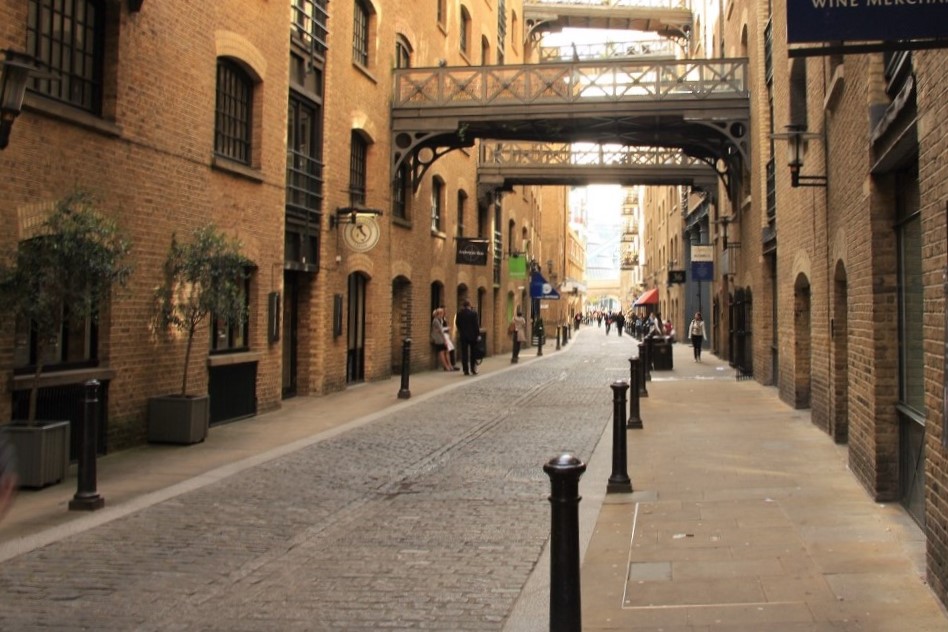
360 34
227 336
304 168
68 37
232 127
401 188
437 204
501 27
357 169
309 23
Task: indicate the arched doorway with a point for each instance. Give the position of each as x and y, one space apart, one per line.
839 414
355 348
801 338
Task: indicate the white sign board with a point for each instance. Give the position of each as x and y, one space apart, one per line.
702 253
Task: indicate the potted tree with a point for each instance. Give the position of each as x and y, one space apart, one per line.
203 278
61 274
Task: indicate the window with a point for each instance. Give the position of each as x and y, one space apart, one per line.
309 20
437 204
442 11
465 34
75 345
910 286
462 203
232 336
360 35
68 37
357 169
234 111
501 29
402 52
401 192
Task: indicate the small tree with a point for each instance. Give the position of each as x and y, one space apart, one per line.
64 273
202 277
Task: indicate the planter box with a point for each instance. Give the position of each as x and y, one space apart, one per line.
42 452
177 419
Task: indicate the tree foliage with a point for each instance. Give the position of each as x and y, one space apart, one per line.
202 277
65 272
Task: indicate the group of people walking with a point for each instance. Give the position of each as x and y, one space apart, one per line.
469 336
469 333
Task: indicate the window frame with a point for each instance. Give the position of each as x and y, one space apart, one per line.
437 204
358 168
233 115
83 87
361 33
237 335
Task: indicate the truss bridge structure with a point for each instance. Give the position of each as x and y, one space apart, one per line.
503 165
669 18
699 107
658 48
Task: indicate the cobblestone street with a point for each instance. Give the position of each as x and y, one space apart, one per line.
431 517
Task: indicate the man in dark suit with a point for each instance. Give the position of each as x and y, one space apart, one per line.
469 332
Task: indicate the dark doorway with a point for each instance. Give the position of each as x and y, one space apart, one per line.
290 332
355 359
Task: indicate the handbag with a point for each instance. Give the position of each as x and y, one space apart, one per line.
512 328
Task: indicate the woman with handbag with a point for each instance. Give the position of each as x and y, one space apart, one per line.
697 333
440 339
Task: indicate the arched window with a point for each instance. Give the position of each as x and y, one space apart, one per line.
437 204
361 33
358 168
233 112
402 52
465 34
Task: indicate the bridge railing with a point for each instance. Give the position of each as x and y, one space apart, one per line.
659 47
573 83
582 154
629 4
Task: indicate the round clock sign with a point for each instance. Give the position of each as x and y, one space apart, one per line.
362 234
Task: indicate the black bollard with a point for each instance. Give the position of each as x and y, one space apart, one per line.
404 392
619 481
564 334
635 419
565 607
557 338
643 361
86 498
647 360
540 338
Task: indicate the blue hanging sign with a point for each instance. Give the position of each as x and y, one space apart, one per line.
541 289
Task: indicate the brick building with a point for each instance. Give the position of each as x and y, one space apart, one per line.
271 120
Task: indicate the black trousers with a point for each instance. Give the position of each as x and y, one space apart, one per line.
467 355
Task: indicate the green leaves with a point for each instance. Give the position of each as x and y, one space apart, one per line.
203 276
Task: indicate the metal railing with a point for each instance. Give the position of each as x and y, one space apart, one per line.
583 154
613 4
659 47
603 81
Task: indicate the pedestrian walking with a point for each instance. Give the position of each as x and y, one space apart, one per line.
518 327
620 322
469 333
697 333
441 338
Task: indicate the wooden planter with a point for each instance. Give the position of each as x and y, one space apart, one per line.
178 419
42 452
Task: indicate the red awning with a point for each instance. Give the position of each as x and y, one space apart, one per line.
650 297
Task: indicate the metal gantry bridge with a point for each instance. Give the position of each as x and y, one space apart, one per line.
700 107
669 18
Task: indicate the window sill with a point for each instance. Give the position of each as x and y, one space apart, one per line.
233 167
401 221
440 234
365 71
229 359
69 114
50 377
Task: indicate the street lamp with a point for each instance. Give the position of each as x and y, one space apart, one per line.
16 71
796 138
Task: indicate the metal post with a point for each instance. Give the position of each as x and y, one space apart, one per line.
565 604
557 338
647 359
540 339
404 392
643 362
86 497
619 481
635 419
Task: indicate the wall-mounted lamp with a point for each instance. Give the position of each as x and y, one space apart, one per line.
797 137
16 69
